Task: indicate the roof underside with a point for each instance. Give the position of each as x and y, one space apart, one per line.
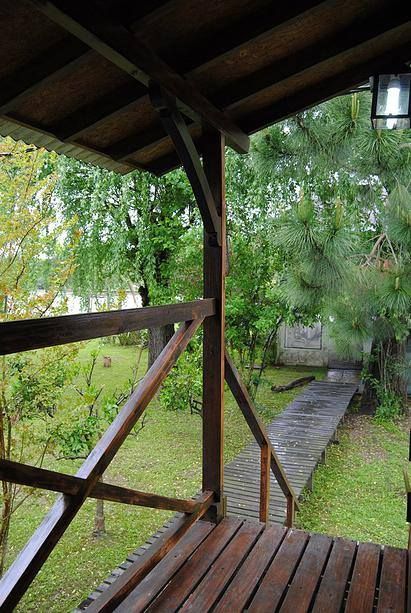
72 79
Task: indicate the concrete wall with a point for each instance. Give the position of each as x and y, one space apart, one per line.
308 346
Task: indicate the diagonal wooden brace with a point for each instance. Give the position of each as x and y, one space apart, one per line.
176 128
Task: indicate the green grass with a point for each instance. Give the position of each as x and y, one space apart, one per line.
359 493
164 458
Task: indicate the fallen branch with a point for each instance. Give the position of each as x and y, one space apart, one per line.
292 385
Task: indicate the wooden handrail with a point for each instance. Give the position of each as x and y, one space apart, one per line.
241 395
27 334
32 476
32 557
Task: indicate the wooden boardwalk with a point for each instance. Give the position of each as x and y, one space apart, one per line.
300 435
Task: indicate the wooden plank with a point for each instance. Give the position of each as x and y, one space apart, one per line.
222 570
32 476
28 334
214 268
393 581
363 31
265 482
137 571
279 573
54 63
264 22
27 564
247 578
118 45
331 592
363 582
303 586
196 567
165 570
176 128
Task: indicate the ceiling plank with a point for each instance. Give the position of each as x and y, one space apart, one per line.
241 33
54 63
328 88
60 60
352 37
302 100
118 45
238 92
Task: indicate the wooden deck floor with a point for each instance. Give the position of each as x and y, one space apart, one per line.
242 565
300 435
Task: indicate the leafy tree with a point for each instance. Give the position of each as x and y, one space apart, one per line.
334 180
130 227
31 382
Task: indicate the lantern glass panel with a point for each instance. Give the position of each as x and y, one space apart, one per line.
392 105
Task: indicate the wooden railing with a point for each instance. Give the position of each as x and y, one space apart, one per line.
30 334
269 458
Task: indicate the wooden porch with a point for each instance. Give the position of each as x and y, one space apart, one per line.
241 565
150 86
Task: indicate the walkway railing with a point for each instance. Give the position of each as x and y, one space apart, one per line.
26 335
269 458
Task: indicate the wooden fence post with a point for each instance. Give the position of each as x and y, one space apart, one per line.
213 348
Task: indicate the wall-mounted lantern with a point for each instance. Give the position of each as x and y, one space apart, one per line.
391 101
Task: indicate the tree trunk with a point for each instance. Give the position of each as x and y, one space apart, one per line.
5 524
387 366
157 337
99 518
157 340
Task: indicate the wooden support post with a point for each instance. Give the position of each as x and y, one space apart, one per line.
289 520
265 482
213 347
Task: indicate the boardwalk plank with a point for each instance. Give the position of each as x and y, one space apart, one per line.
392 592
363 582
305 581
331 592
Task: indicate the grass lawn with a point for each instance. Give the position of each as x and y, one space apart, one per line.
359 493
164 458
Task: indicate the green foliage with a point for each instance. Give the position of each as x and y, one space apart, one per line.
182 389
130 227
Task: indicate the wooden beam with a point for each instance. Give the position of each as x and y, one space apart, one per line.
125 583
118 45
176 127
32 476
214 267
265 460
263 23
32 557
240 91
255 424
28 334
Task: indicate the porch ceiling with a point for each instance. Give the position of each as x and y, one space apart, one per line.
74 75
